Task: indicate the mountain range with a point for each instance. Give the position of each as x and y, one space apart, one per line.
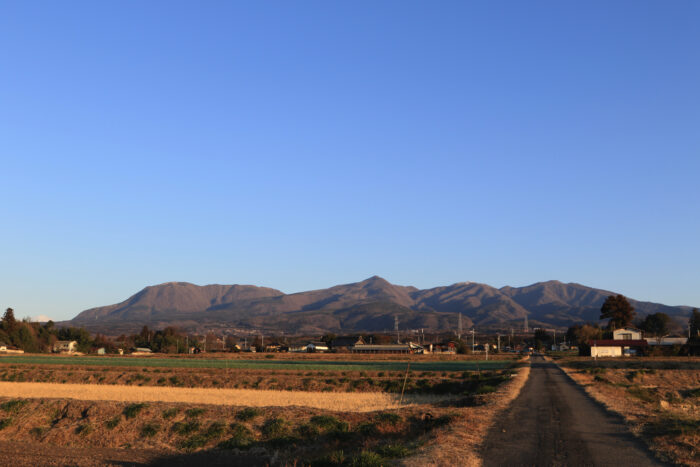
370 305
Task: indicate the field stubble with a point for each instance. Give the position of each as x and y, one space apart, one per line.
355 402
660 405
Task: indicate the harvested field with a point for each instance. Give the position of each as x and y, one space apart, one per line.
638 363
176 415
423 382
239 436
352 402
660 405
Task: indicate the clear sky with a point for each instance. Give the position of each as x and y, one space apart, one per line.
300 145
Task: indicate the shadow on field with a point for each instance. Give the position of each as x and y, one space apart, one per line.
212 458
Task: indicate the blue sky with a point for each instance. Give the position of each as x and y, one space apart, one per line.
299 145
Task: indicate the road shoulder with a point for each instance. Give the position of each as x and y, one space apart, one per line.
460 442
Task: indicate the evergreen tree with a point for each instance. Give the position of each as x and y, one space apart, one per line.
618 310
9 323
694 324
656 324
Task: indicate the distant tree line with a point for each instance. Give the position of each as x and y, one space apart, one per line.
39 337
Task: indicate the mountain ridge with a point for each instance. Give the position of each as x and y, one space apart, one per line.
368 305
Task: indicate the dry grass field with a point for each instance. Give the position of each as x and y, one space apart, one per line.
461 440
274 435
659 398
354 402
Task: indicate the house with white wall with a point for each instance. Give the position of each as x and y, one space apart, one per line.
625 342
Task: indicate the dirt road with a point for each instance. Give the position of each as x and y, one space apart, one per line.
554 423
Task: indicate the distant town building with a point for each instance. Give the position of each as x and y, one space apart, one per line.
314 347
276 347
65 346
297 347
345 344
666 340
388 348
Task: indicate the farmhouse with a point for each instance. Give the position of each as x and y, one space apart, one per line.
627 333
65 346
3 347
626 341
388 348
345 344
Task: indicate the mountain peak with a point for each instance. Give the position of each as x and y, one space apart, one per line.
375 278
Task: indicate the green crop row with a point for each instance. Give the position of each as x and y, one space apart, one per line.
257 364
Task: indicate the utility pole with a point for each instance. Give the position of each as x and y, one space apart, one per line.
555 338
472 340
396 327
498 347
595 350
509 338
459 326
